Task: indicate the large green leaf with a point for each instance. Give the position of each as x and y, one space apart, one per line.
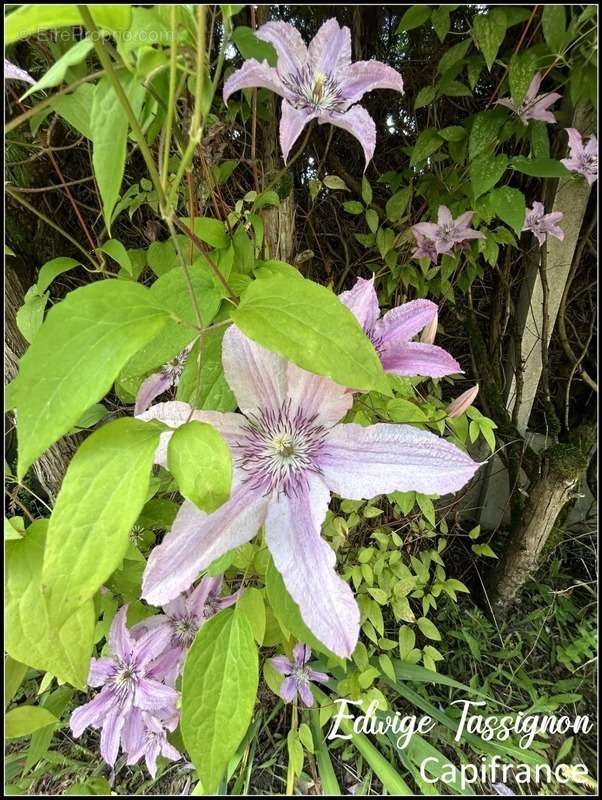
484 131
30 637
509 205
31 19
539 167
219 687
214 392
523 67
57 72
200 461
103 493
489 31
485 172
24 720
77 354
76 108
308 324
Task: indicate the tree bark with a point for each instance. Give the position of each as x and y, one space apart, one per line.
50 468
563 465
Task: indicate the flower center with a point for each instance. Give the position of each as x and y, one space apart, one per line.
125 680
184 630
314 90
300 675
279 447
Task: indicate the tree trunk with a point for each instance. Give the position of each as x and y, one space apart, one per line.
563 464
279 223
50 468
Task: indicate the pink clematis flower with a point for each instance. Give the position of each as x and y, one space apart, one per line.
391 335
534 106
289 453
14 73
131 679
298 675
183 617
159 382
583 158
543 225
145 734
316 82
445 235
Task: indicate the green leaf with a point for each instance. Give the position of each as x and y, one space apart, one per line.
414 17
441 22
308 324
219 686
57 72
553 23
52 269
109 124
453 133
366 191
523 67
30 316
14 674
485 172
425 96
452 56
214 391
400 410
427 143
250 46
539 167
30 637
489 31
353 207
295 752
29 20
509 206
428 629
103 493
484 132
76 108
328 778
334 182
407 641
24 720
78 352
252 605
117 251
200 461
212 231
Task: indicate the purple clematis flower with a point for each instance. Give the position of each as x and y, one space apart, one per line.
391 335
445 235
159 382
583 158
316 82
534 106
289 453
543 225
131 679
183 617
14 73
145 734
298 675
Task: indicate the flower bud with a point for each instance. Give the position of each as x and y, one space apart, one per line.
428 334
462 403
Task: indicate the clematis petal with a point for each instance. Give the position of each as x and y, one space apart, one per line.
301 653
428 229
132 734
176 413
292 122
444 217
166 667
288 43
416 358
14 73
151 644
575 139
358 123
306 563
92 713
152 387
306 695
315 396
169 751
152 695
402 323
253 74
288 690
533 87
208 586
120 642
463 220
364 76
151 753
330 49
359 463
282 664
101 669
363 301
196 539
318 677
110 736
256 376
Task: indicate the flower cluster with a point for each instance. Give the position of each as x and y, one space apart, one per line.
290 451
136 706
447 235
